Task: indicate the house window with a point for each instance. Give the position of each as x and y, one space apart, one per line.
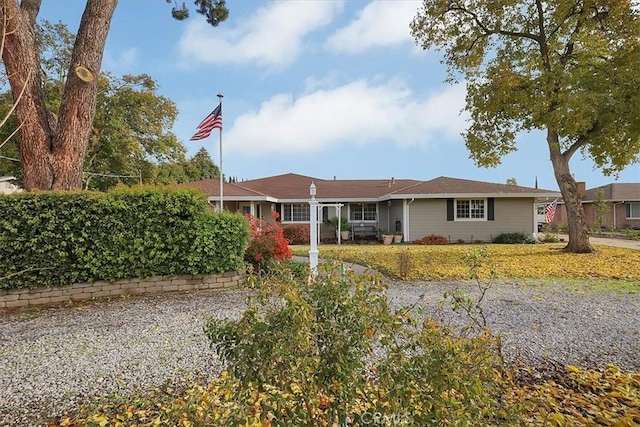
363 211
470 209
633 210
296 212
246 210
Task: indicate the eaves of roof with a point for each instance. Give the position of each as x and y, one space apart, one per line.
231 191
294 188
614 192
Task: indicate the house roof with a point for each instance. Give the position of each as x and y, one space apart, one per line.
211 187
615 192
296 187
444 186
293 187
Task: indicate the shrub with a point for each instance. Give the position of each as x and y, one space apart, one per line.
296 234
301 355
58 238
266 242
432 239
631 234
549 238
513 238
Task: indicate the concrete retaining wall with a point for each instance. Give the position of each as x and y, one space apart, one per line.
10 298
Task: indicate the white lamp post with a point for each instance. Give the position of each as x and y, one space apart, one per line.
313 228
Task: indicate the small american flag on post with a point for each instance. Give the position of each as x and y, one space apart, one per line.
211 122
550 211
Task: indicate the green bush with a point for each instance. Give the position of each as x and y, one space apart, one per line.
303 354
514 238
58 238
631 234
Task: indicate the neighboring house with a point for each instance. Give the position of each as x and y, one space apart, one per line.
7 185
459 209
623 200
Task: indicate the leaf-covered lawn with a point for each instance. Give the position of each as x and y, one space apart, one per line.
417 262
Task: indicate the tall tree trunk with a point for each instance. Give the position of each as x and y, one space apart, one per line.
22 63
52 149
578 230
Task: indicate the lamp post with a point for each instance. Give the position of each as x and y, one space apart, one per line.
313 228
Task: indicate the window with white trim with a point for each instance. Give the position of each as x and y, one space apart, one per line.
633 210
471 209
296 212
363 211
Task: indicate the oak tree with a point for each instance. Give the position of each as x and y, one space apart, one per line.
570 68
53 144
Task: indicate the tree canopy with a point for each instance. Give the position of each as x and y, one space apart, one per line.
53 134
130 139
567 67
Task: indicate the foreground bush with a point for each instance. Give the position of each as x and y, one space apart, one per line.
58 238
302 354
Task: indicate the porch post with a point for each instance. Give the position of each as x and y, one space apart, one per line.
313 230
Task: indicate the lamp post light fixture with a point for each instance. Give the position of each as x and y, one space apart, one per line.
313 230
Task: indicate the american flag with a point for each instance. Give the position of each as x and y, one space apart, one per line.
550 211
211 122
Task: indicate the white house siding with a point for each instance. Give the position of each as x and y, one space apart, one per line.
430 217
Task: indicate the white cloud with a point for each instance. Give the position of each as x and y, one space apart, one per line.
120 62
380 23
272 37
356 113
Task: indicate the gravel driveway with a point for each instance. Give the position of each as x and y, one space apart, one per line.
52 358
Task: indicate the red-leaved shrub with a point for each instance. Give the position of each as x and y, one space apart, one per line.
432 239
296 234
266 241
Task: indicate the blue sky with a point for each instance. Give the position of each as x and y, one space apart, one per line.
316 87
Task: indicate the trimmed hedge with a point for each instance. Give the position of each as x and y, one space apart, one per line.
514 238
58 238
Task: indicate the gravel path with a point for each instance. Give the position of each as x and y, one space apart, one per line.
52 358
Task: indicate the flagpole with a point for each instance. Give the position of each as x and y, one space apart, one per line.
220 96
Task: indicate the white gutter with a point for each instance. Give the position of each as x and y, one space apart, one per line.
406 217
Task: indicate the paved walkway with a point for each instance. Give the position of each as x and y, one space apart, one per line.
619 243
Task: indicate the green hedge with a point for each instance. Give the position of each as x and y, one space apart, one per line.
58 238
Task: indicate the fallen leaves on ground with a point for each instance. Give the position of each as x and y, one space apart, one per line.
509 261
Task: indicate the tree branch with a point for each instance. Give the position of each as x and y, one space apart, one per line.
581 141
542 42
489 32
